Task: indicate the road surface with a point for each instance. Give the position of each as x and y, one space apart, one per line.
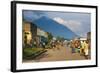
61 54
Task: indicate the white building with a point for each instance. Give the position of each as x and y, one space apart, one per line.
83 39
41 33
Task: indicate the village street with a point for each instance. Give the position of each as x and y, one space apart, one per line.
61 54
46 38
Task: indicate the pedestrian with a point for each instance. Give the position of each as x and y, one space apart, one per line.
76 45
82 48
73 46
86 49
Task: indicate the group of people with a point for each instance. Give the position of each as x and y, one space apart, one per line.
82 47
55 44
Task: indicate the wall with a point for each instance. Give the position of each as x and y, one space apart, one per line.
5 37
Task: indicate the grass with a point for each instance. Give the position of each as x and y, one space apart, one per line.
31 52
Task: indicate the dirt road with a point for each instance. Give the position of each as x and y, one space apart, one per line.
61 54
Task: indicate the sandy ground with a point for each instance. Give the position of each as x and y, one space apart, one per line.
61 54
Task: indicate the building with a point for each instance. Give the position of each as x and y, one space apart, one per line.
89 36
82 39
32 34
89 39
27 35
42 33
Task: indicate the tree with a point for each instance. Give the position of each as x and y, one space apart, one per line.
60 38
50 36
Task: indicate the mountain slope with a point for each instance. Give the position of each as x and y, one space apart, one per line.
54 27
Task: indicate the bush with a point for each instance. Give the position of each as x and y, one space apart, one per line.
29 53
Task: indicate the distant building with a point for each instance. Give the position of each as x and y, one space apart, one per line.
89 39
89 36
76 38
41 33
83 39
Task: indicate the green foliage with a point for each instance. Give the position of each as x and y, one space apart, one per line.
50 36
60 38
28 52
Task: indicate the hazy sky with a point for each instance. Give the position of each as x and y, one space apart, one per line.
80 23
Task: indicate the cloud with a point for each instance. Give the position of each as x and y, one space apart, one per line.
74 25
32 15
59 20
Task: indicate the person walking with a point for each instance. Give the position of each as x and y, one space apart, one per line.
73 46
86 49
82 48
